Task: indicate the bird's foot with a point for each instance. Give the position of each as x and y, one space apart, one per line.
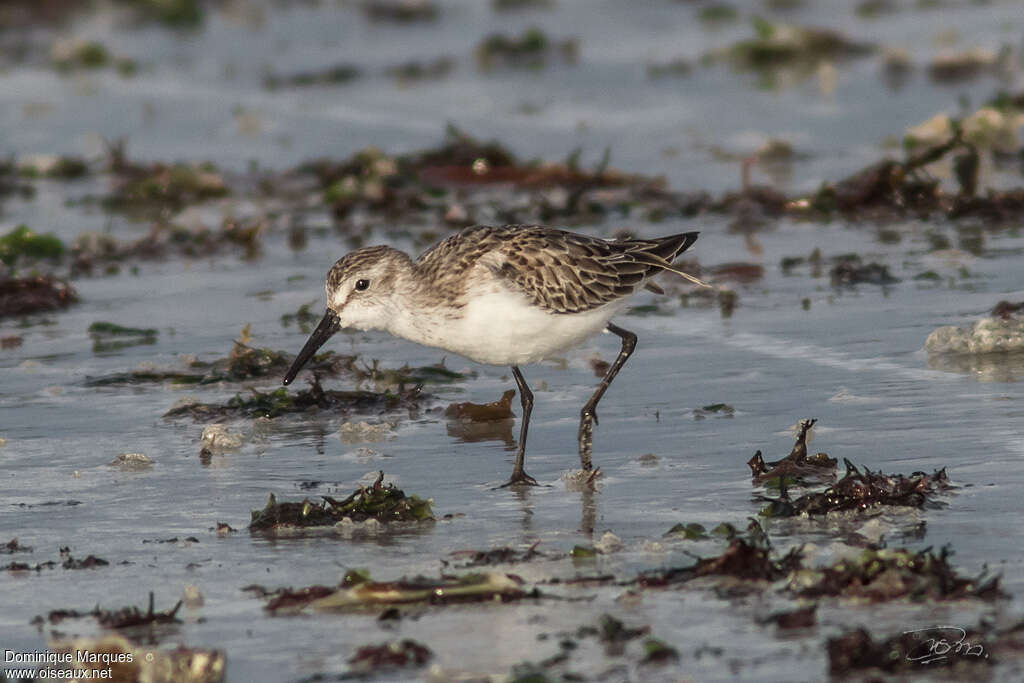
582 480
520 478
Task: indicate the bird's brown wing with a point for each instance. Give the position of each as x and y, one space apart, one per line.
564 272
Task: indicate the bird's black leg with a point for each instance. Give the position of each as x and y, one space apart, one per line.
519 475
588 416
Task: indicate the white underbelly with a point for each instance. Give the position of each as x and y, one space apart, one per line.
503 328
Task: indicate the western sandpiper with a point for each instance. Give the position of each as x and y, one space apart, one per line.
501 296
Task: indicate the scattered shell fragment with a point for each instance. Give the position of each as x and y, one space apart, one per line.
216 437
609 543
193 597
988 335
363 432
132 461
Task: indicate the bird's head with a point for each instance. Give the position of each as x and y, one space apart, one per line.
360 289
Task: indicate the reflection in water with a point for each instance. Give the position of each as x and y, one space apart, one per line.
490 430
588 514
986 367
588 509
320 439
522 494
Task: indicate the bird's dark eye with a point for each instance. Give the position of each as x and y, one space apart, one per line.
362 285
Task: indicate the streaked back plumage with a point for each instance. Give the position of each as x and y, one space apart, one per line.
560 272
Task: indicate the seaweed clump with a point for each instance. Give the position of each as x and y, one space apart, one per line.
108 336
614 636
245 362
125 617
404 654
861 491
379 502
945 646
748 558
532 49
749 564
798 465
162 187
401 11
22 243
778 45
884 574
855 491
281 401
503 555
465 180
94 250
33 294
357 590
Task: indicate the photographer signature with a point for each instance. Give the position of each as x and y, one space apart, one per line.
938 643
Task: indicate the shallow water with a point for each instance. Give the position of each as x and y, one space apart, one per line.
853 359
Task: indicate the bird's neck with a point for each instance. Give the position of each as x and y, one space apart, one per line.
419 311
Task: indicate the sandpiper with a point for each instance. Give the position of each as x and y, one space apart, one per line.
501 296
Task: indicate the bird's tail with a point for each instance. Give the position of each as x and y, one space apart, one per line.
661 252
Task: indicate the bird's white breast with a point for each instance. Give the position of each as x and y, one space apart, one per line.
499 326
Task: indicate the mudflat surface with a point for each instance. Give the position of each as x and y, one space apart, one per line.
245 90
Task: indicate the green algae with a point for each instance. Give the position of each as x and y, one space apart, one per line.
335 75
108 329
304 317
532 49
777 44
691 532
658 651
179 14
22 243
173 186
383 503
60 168
108 337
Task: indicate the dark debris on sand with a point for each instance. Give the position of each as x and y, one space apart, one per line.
248 362
957 651
465 181
97 251
856 490
383 503
358 591
861 491
1006 310
126 617
34 294
798 465
884 574
404 654
874 575
281 402
481 558
747 557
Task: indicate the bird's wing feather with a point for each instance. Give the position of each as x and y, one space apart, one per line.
564 272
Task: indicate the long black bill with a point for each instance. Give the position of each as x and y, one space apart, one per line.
327 327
